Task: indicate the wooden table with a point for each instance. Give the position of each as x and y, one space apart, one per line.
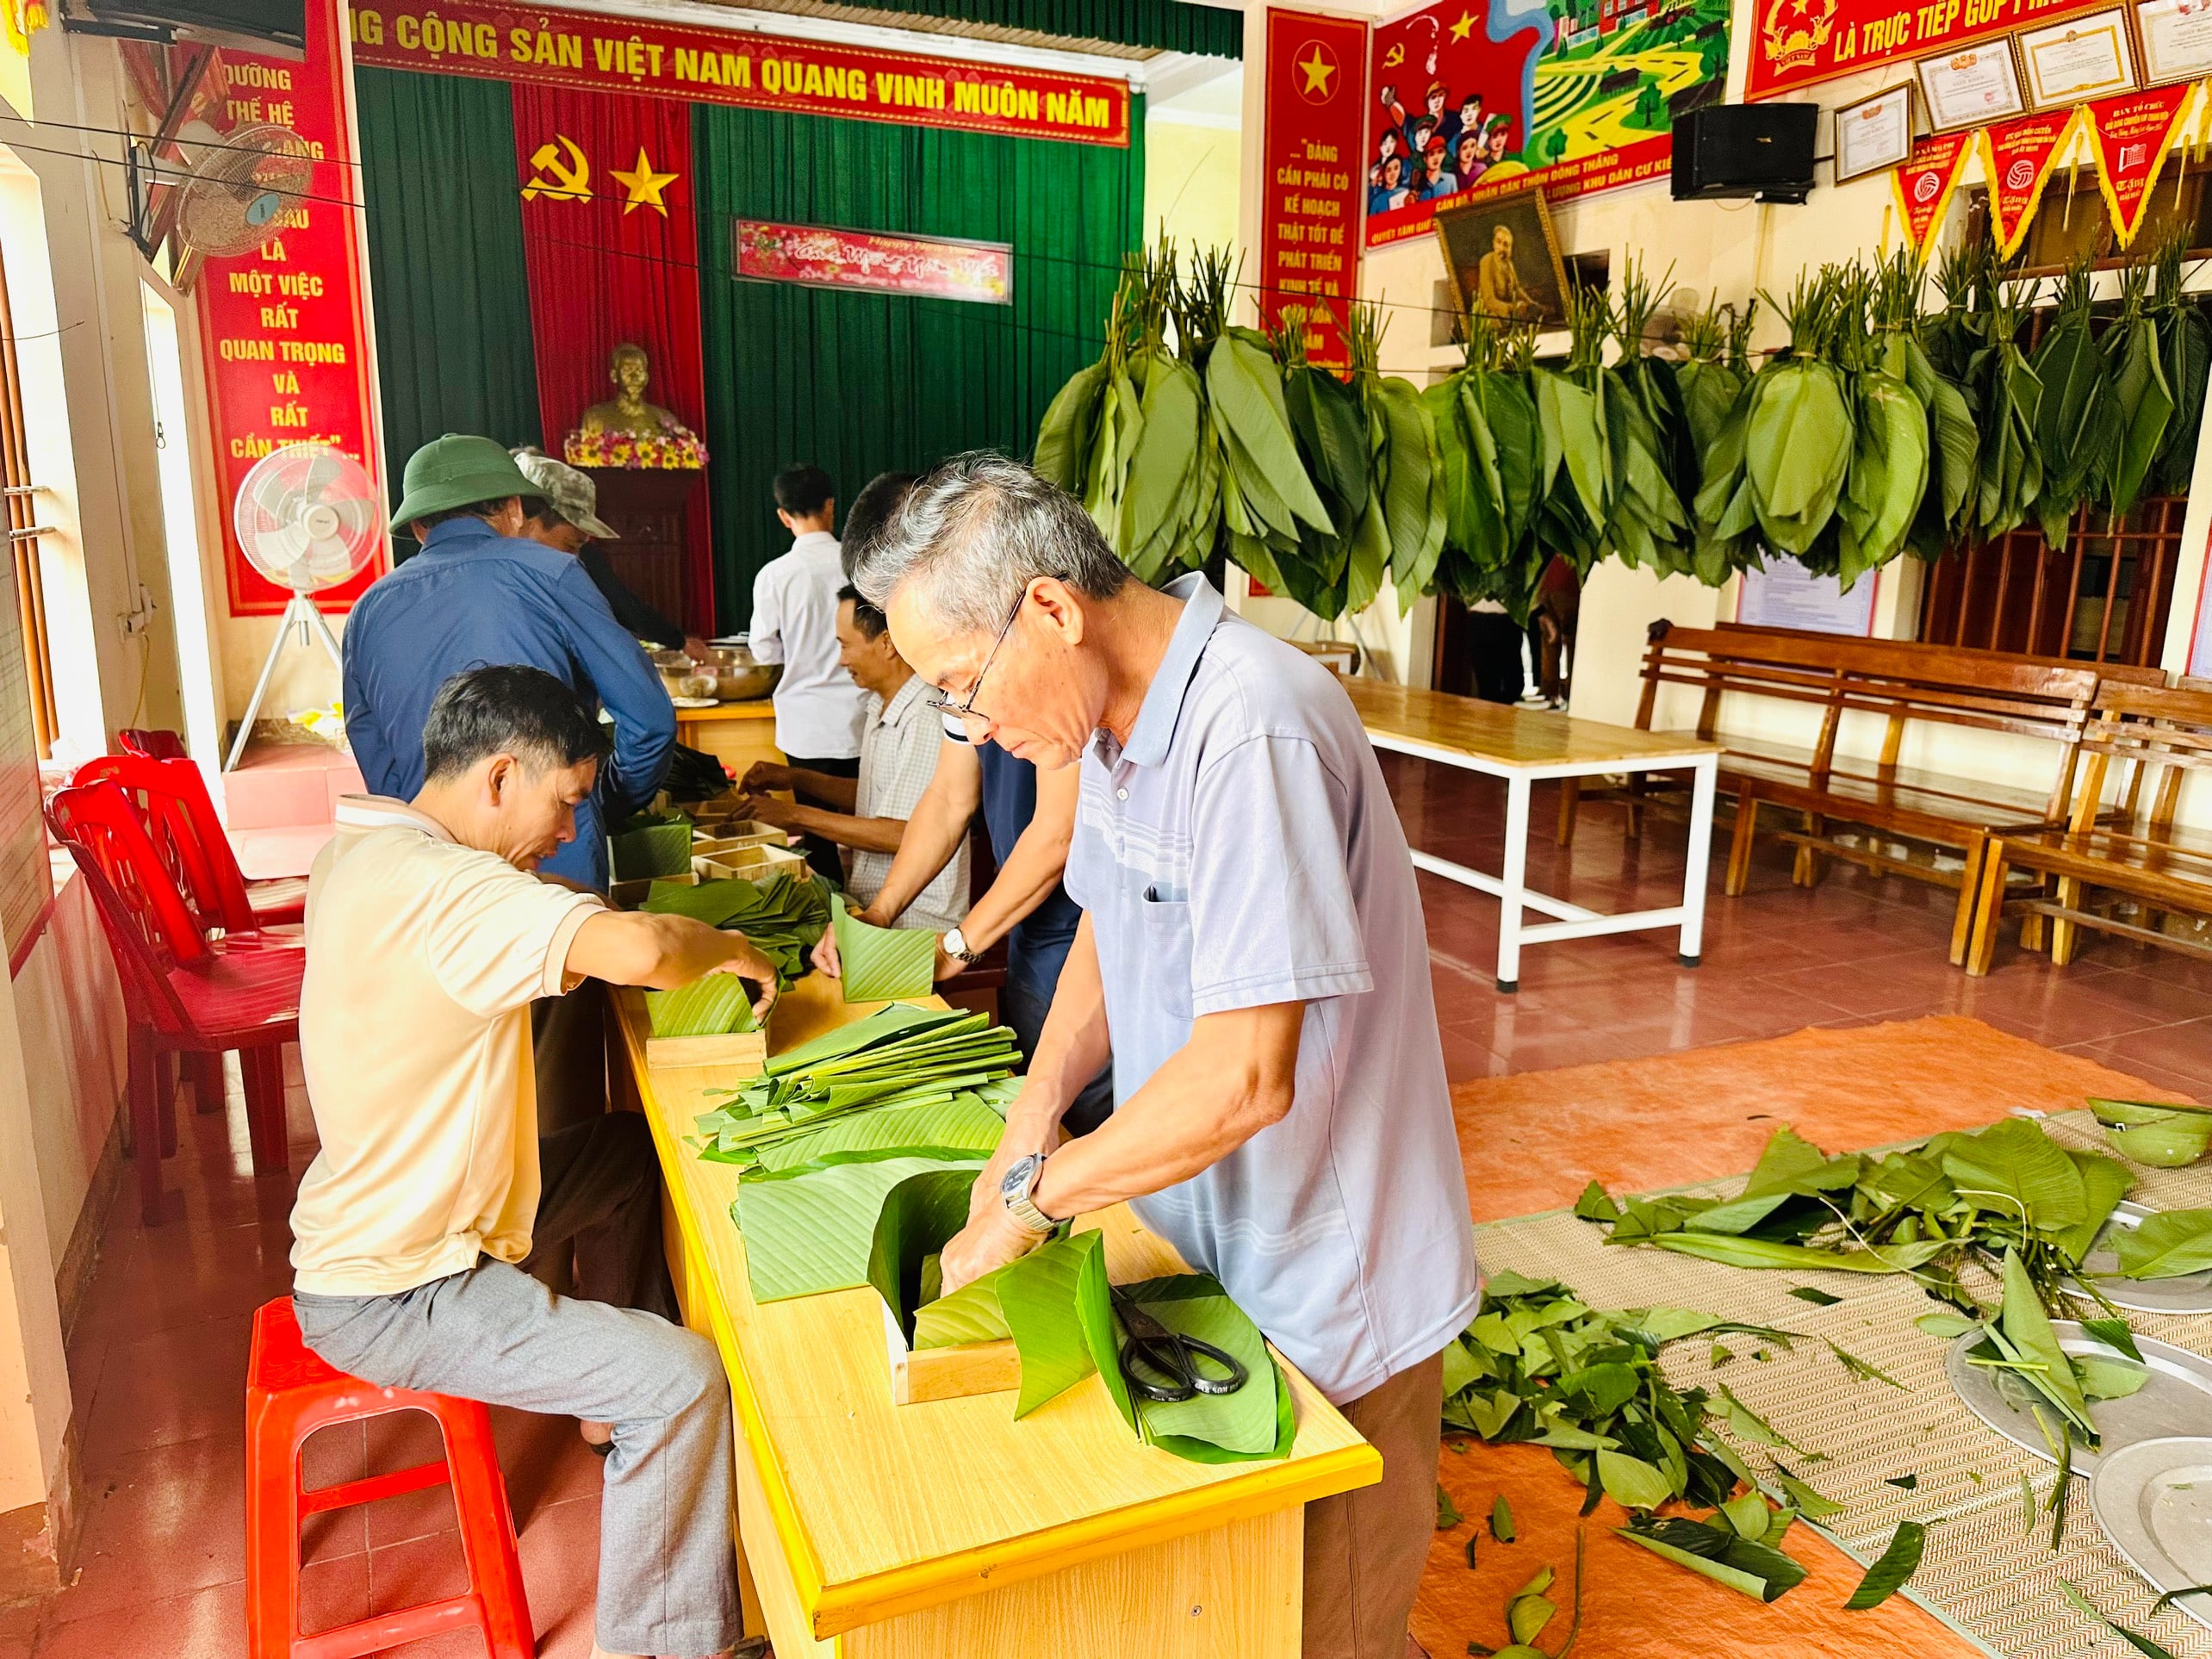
735 733
870 1531
1522 745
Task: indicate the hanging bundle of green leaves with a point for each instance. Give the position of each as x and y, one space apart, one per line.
1652 469
1337 566
2007 406
1490 455
2142 400
1715 385
1887 478
2074 419
1406 485
1799 431
1945 502
2185 354
1128 435
1575 470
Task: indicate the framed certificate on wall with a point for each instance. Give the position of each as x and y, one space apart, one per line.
1970 87
2071 63
2174 40
1877 132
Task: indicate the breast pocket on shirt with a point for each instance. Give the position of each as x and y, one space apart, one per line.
1163 918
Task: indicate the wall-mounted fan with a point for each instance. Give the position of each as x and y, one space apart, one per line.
309 519
229 201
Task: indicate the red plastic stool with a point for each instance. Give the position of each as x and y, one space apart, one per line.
289 1394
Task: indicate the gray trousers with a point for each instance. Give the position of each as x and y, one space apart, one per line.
667 1575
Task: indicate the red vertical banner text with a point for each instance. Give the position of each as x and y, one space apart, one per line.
1311 198
285 348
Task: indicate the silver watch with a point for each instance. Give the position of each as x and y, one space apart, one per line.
1016 1185
956 946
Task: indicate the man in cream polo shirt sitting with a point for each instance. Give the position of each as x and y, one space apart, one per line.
428 937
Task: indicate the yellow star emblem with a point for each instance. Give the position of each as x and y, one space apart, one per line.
1317 70
644 186
1466 23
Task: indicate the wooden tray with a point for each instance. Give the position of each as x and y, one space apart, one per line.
751 863
926 1374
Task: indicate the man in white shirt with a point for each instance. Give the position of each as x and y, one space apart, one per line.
900 750
818 709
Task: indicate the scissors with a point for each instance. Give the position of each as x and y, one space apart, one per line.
1171 1354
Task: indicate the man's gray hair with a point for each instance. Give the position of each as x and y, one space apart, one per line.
978 531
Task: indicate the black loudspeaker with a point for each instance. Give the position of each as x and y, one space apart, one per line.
1762 150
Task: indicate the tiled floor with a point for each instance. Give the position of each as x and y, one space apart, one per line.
158 1356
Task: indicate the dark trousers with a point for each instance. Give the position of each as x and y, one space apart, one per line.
1493 640
823 855
1032 975
600 1203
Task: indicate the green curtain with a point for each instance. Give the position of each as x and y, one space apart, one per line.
1171 25
445 264
862 383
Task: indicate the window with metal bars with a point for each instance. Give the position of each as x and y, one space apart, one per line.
2102 596
23 531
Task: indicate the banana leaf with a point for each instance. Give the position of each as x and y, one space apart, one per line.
711 1007
1245 393
650 846
2143 406
880 963
957 1123
1064 437
811 1228
916 1217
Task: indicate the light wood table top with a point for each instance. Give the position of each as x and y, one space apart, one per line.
752 708
1506 737
882 1508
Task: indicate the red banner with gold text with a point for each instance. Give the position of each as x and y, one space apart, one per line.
1799 42
1924 184
281 328
1309 215
2021 157
2133 133
584 51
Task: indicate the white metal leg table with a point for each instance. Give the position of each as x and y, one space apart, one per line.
1522 746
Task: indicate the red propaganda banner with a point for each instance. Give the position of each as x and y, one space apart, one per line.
1309 208
2133 133
585 51
820 256
2019 157
1924 184
1579 98
281 328
1799 42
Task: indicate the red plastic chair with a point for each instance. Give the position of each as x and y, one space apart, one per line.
289 1394
183 994
223 890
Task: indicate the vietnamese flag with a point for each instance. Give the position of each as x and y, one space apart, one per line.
2133 133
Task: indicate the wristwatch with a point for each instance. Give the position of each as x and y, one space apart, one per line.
1016 1186
956 944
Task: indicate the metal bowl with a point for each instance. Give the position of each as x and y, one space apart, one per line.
740 677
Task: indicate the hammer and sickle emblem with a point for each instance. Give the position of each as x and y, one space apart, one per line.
568 181
1393 57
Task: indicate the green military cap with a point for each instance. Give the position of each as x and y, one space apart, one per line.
456 471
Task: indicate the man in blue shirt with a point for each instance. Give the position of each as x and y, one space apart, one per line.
480 594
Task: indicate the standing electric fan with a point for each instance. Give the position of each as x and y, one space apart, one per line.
309 519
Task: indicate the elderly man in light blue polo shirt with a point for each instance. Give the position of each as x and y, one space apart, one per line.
1253 957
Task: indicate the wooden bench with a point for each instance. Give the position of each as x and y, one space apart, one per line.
2135 850
1904 684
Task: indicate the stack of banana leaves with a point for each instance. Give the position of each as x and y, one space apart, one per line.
2075 417
1652 473
1339 567
1711 384
2142 402
1954 446
2185 354
1407 498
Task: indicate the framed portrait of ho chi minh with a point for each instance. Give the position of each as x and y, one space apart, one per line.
1504 257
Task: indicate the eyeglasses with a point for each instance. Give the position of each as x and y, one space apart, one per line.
964 709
